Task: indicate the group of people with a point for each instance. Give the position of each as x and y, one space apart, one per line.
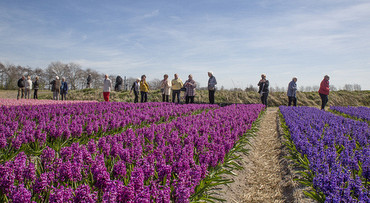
292 90
59 88
174 86
26 85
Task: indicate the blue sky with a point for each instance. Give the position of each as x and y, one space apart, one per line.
236 39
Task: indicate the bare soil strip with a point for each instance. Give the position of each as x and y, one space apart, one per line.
266 176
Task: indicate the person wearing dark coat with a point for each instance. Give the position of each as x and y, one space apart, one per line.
263 89
89 81
21 86
118 85
64 89
35 87
136 88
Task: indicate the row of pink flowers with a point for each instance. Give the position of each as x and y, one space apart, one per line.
22 102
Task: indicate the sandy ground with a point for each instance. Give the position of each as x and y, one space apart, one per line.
267 175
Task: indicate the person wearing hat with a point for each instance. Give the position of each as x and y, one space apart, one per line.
324 91
55 88
136 87
292 89
211 87
107 86
263 89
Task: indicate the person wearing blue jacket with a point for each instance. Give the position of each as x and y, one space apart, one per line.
292 90
64 89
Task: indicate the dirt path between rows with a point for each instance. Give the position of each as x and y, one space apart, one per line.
266 176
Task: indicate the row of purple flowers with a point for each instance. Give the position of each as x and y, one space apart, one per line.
157 163
32 128
360 112
335 151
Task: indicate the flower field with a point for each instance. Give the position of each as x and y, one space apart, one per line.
116 152
359 112
333 151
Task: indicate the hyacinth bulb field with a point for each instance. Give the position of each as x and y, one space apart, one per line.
357 112
332 151
117 152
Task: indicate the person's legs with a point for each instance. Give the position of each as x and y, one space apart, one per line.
186 99
290 101
19 92
145 96
294 101
211 94
178 96
142 96
106 96
136 97
167 98
173 96
191 99
264 99
323 100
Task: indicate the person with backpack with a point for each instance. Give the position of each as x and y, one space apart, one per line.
21 84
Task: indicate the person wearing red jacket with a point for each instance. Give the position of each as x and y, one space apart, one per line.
324 91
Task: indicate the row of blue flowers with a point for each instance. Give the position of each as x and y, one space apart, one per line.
332 151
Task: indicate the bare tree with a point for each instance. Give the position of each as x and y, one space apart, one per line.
73 72
348 87
155 84
356 87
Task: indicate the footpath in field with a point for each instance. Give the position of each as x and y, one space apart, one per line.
264 177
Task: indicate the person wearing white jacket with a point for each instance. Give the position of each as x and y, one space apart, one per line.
28 87
107 88
165 88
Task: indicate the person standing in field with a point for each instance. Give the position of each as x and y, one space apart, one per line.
144 89
136 87
165 88
212 82
292 90
21 84
324 91
35 87
190 86
107 86
28 87
64 89
176 88
89 81
56 91
263 89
